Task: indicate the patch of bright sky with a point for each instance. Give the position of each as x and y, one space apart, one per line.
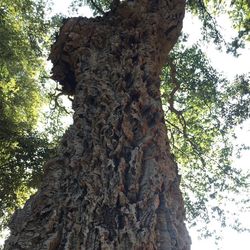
63 7
221 61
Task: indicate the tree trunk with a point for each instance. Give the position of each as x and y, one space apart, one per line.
114 184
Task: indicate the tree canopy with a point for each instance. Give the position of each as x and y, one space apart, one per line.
202 107
23 150
202 110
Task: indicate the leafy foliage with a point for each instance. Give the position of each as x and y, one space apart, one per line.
237 10
22 157
202 109
240 14
24 41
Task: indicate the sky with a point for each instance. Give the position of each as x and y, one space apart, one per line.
229 66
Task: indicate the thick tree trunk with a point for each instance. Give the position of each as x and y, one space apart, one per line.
114 184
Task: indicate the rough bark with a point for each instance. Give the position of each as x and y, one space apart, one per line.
114 184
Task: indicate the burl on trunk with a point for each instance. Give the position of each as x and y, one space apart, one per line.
114 184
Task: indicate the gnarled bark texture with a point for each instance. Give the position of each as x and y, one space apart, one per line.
114 184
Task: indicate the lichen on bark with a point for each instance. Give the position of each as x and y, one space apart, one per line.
114 184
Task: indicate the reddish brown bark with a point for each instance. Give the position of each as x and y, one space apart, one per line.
114 184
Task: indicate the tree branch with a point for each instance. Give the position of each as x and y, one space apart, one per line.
171 96
97 7
55 97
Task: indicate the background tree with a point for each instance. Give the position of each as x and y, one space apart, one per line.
23 149
202 110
